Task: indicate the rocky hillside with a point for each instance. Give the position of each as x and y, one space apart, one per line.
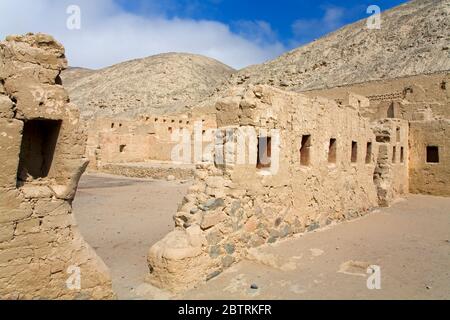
163 83
414 39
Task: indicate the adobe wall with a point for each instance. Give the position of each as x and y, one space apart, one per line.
422 100
147 138
411 98
427 175
41 160
234 207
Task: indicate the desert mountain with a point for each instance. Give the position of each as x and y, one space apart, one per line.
162 83
414 39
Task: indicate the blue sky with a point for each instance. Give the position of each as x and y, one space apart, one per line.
237 32
281 15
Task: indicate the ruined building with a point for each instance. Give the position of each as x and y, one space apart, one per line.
333 165
309 160
42 148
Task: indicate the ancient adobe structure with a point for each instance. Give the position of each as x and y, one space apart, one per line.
356 148
342 152
41 160
333 165
115 141
424 102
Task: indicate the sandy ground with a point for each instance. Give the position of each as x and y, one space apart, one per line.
121 218
410 242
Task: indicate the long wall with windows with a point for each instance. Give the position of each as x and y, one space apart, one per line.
310 163
423 101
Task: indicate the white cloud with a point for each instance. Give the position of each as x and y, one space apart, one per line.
110 35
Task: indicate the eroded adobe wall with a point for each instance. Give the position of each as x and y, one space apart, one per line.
41 160
233 208
410 98
391 175
148 138
428 174
422 100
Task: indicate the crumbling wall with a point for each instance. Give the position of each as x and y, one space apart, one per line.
391 176
147 138
236 206
424 102
41 160
410 98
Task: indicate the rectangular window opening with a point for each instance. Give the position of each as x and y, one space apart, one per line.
264 152
432 154
402 155
369 153
332 151
305 151
122 148
37 150
354 151
394 154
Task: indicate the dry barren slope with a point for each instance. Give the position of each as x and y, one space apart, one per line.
72 75
414 39
163 83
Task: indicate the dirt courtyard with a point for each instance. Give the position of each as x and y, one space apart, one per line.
122 217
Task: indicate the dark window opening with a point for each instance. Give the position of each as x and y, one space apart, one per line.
122 148
332 151
432 154
38 148
264 152
305 151
112 125
394 154
170 129
369 153
402 155
58 80
443 85
383 139
354 151
391 111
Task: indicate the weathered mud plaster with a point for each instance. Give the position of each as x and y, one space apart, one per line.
423 101
235 207
42 147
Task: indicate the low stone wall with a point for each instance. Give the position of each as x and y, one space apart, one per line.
153 171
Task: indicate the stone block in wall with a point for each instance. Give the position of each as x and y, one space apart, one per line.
34 100
228 111
6 107
7 232
10 142
177 262
13 206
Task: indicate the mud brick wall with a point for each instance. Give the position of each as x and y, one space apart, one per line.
42 149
